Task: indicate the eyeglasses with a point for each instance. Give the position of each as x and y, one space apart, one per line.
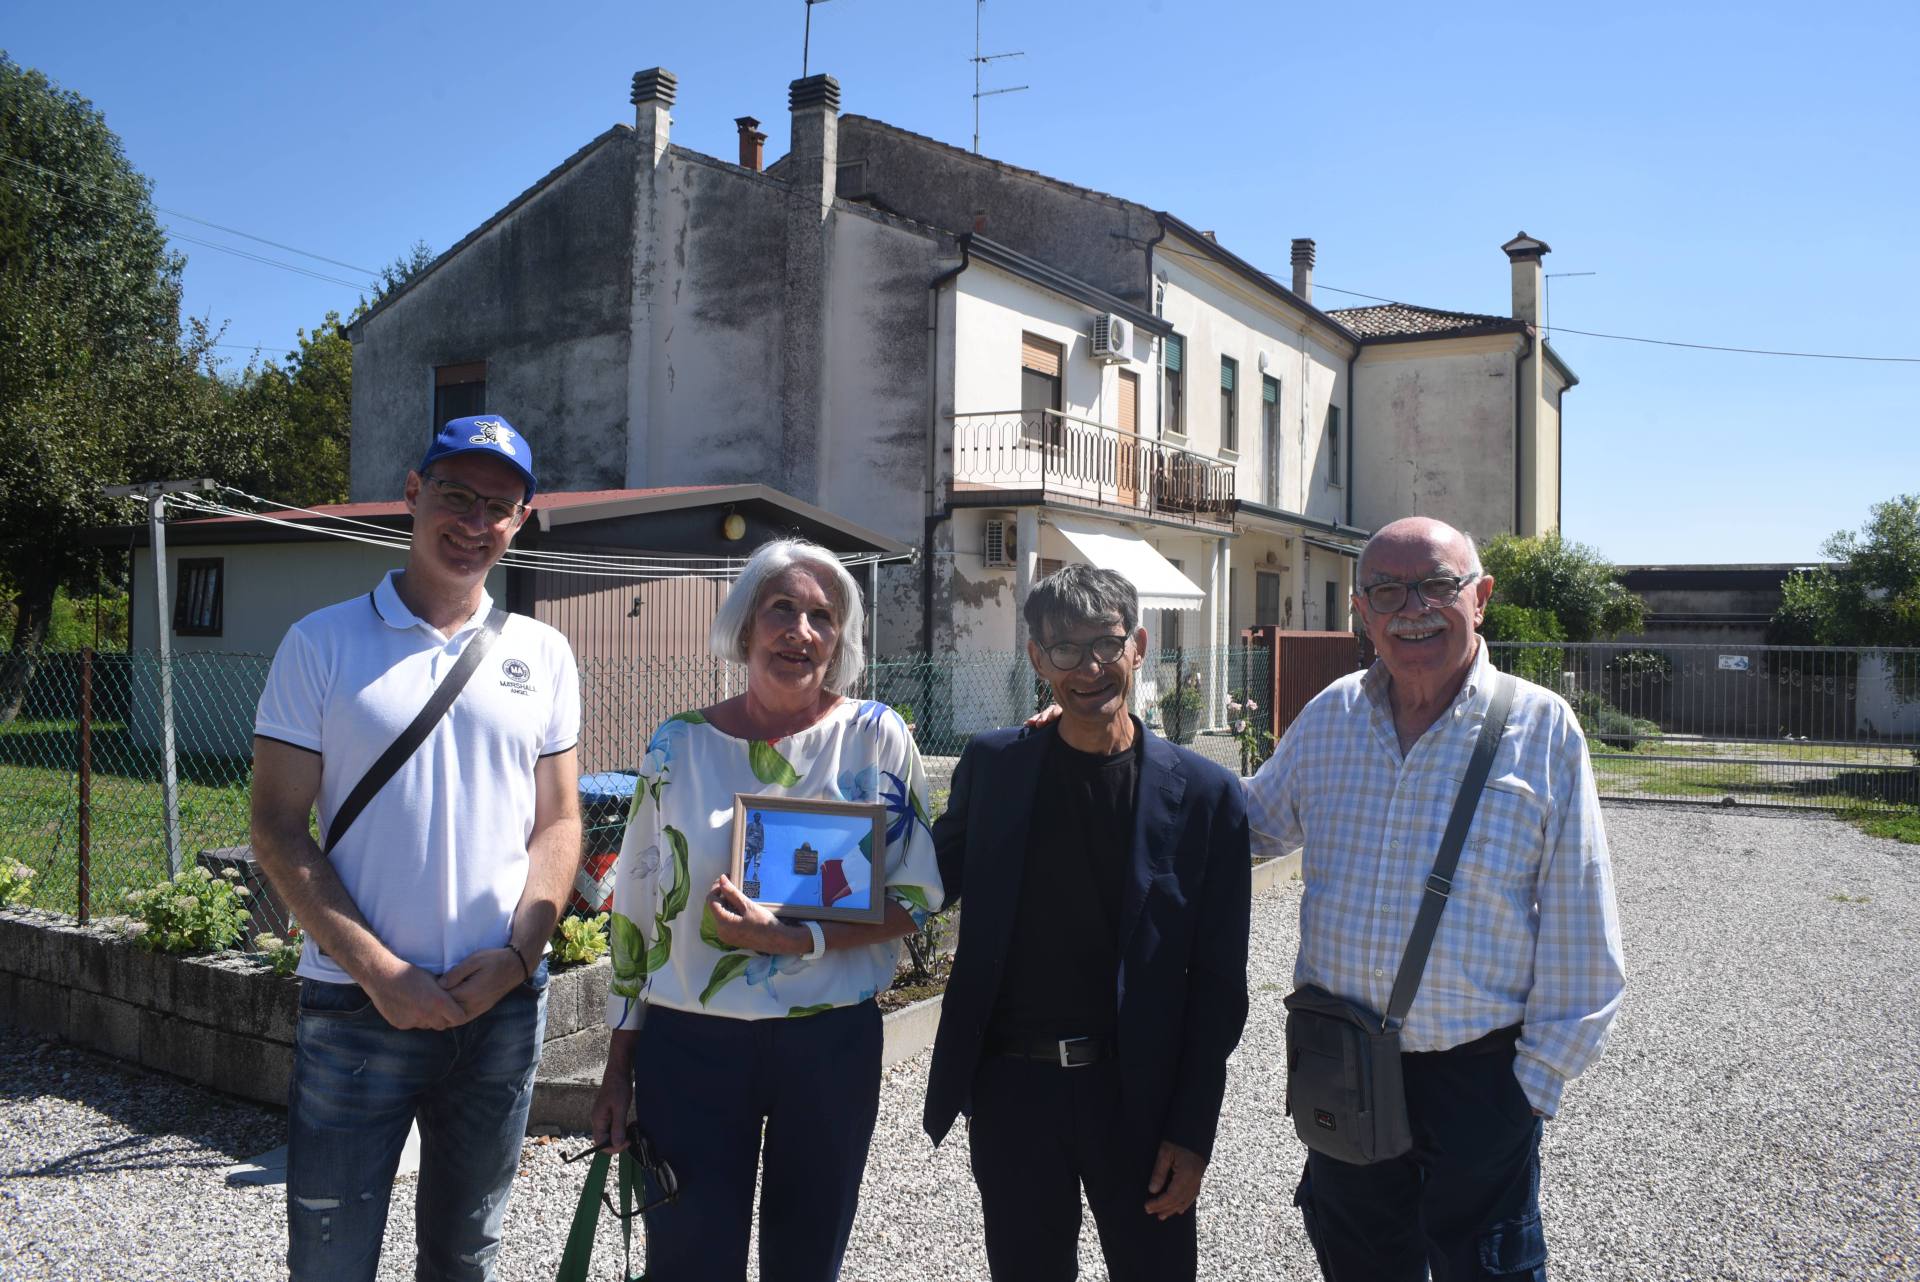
1065 656
661 1180
460 499
1434 593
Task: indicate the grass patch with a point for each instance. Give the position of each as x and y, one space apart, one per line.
1901 826
1844 898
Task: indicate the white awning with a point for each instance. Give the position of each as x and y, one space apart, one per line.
1160 585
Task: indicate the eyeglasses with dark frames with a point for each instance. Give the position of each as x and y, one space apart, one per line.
1435 592
661 1180
1065 656
460 499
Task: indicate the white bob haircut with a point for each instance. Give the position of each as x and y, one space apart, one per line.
727 638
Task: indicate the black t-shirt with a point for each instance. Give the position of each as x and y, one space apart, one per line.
1063 960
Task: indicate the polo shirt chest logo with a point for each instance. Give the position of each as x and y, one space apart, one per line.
516 676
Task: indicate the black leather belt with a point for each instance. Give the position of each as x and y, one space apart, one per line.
1062 1052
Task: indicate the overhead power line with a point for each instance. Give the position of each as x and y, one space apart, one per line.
1587 333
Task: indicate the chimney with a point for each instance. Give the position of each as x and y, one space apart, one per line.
1210 236
752 143
1303 268
1524 252
814 156
653 91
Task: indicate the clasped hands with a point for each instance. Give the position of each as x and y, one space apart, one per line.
409 996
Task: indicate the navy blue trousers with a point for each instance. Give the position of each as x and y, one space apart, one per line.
707 1089
1465 1202
1038 1133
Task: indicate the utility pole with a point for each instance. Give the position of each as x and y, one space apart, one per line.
980 60
154 493
806 38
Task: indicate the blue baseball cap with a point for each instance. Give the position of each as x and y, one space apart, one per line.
483 434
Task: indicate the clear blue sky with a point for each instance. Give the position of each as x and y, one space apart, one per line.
1740 175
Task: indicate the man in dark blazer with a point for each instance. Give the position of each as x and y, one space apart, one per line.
1101 977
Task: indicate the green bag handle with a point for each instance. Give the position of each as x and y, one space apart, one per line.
586 1220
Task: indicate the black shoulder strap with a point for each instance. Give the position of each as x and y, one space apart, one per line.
416 733
1440 881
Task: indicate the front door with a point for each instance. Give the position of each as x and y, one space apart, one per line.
1126 454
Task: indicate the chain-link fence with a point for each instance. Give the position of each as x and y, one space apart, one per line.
1754 724
82 799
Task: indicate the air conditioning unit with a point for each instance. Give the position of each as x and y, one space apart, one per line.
998 549
1112 338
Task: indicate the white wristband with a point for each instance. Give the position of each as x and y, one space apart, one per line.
819 941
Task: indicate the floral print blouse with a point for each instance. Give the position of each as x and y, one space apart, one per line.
679 838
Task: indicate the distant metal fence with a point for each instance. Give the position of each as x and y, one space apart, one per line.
81 801
1753 724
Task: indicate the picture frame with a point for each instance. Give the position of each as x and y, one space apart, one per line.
810 859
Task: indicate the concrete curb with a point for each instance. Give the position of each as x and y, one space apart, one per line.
1269 873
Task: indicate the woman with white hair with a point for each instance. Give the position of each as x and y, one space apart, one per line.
725 1021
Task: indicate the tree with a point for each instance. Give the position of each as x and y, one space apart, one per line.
1869 596
1568 580
306 406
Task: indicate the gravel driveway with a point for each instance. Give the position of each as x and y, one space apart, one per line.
1754 1117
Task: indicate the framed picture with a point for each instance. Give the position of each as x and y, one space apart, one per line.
824 860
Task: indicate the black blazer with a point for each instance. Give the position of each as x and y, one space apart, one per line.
1183 930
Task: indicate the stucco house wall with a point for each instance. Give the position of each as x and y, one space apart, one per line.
540 293
1436 433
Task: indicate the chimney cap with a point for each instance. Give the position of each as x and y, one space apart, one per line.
814 91
1524 248
746 123
1303 250
655 84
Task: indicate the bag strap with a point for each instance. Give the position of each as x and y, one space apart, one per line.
575 1260
1413 963
416 733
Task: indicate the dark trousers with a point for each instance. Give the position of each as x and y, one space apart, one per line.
1038 1134
704 1088
1465 1202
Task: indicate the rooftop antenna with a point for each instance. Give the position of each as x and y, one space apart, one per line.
806 39
980 60
1546 302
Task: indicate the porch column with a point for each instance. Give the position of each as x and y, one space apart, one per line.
1026 538
1217 624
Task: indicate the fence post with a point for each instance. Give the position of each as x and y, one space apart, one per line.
86 787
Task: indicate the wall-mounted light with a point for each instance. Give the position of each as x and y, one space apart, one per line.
733 527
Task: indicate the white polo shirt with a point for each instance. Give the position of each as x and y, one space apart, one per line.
438 859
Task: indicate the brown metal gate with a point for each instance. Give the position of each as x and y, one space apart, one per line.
1303 664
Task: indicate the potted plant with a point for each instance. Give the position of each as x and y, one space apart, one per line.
1180 706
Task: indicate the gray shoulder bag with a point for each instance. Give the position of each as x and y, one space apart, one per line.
1344 1090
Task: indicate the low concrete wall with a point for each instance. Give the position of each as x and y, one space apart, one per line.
221 1021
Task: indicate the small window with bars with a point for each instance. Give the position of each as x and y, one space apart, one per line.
197 598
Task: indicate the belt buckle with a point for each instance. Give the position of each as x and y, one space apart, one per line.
1066 1056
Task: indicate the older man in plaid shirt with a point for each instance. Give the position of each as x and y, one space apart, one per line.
1525 974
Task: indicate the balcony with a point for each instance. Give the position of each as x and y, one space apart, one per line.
1058 457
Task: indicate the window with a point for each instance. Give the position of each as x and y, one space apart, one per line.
458 391
1229 407
1270 445
1170 620
1266 598
1333 445
1040 368
197 598
1047 565
1173 356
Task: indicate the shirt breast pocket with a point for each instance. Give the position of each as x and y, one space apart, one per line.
1502 854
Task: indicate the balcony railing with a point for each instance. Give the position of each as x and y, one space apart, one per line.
1071 458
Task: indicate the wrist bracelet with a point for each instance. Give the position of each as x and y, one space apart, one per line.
819 941
525 969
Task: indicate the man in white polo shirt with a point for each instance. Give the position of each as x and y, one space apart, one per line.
423 994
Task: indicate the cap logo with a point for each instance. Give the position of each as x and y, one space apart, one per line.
489 432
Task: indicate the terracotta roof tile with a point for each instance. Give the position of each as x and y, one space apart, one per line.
1397 320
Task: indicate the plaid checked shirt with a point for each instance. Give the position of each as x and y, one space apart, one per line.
1530 935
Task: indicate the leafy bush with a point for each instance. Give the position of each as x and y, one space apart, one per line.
1256 743
577 940
1570 581
1603 722
1529 624
1180 707
281 954
16 883
195 912
925 945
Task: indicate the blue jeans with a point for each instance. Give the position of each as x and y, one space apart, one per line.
792 1099
1463 1205
359 1084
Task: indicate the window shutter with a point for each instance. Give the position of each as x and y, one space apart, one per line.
1227 366
1040 355
1173 353
1270 391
